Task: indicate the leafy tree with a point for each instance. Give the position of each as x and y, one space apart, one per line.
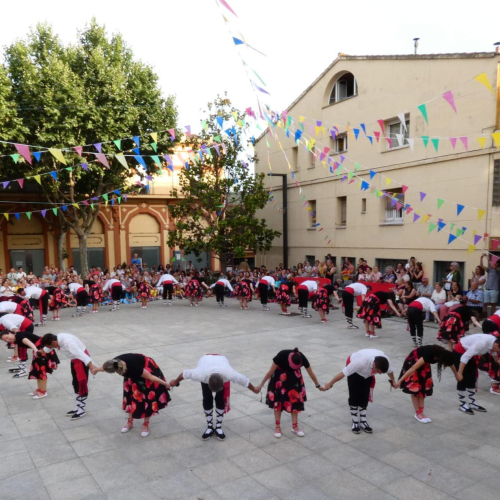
218 196
90 92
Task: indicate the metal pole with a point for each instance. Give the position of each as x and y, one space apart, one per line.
285 222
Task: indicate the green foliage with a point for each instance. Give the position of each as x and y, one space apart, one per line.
218 198
90 92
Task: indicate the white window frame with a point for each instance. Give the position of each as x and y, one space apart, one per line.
335 89
312 160
336 144
402 131
312 218
392 214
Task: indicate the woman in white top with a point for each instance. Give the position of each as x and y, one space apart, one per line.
479 277
6 290
438 296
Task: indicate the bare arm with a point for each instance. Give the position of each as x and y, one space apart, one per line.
481 263
393 307
312 375
30 344
267 376
410 372
175 382
334 380
148 376
475 321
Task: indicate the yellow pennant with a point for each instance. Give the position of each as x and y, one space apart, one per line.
37 178
496 138
6 216
387 181
57 154
480 214
301 119
154 136
75 205
483 79
349 132
311 144
425 218
317 131
482 141
471 248
235 115
121 158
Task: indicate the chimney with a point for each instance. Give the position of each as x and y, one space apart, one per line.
415 41
497 45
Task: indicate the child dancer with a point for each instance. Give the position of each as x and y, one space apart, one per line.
416 375
304 290
58 300
455 324
143 292
348 295
321 301
244 290
370 310
167 282
96 295
283 297
286 390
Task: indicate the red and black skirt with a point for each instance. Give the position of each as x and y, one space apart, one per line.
96 294
26 310
58 299
193 289
143 291
321 301
144 398
242 289
419 384
286 391
283 295
452 327
43 364
370 311
487 364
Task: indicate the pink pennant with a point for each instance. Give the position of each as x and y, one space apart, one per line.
381 123
352 180
223 2
494 259
377 135
409 210
25 151
102 158
485 235
389 142
85 202
78 149
453 141
398 206
495 244
171 131
404 188
21 182
465 142
448 97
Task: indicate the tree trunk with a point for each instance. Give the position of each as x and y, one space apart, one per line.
82 245
61 249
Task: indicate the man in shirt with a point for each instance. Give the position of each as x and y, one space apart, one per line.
42 296
360 370
492 283
425 290
348 295
135 260
264 283
81 363
215 374
12 276
475 298
465 353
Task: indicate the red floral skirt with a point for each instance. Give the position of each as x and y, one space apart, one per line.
96 294
283 295
144 291
370 311
286 391
321 301
419 384
193 289
242 289
58 299
487 364
145 398
452 327
44 364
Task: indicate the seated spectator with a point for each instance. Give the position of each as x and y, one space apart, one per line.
389 276
454 299
409 295
475 299
300 269
376 275
361 274
425 290
368 274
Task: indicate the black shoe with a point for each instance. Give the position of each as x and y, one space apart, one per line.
467 411
208 433
71 413
366 428
478 408
78 416
220 435
355 428
14 370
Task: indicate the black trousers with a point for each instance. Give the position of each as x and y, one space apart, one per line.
469 380
44 299
219 293
208 398
263 293
116 293
76 384
359 390
303 297
168 288
348 300
82 298
416 322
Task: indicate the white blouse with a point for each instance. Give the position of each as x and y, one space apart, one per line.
210 364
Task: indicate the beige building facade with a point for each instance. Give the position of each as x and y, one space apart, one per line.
411 155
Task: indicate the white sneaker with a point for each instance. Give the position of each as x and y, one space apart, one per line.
299 432
277 434
422 420
367 334
40 395
373 336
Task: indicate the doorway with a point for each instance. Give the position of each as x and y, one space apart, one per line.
29 260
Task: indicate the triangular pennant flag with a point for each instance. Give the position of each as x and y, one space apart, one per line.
137 140
220 121
465 142
57 154
154 136
78 149
25 151
441 225
5 184
451 238
28 214
480 214
425 140
98 146
188 130
399 138
69 169
54 210
362 125
37 179
105 196
137 151
85 167
389 142
20 182
422 196
156 159
118 144
448 97
228 7
495 244
372 174
477 238
171 131
435 142
459 209
43 212
357 166
356 133
483 79
54 174
496 138
482 141
440 203
453 141
404 188
423 109
471 248
102 158
402 119
452 225
411 142
15 157
153 145
494 259
364 185
18 217
377 135
121 158
416 217
141 161
425 218
37 155
381 123
6 215
387 181
432 226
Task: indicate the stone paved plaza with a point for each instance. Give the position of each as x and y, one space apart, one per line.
45 455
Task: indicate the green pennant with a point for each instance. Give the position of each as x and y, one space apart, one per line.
432 226
54 210
156 159
440 203
118 144
92 206
350 175
69 169
204 125
28 214
217 138
15 157
460 232
153 145
105 196
452 226
425 140
357 167
435 143
423 109
119 199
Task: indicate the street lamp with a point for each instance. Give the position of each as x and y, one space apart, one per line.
285 217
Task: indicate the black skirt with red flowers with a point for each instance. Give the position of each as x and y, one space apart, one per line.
144 398
452 327
144 291
370 311
27 310
193 289
419 384
283 294
242 289
321 300
286 391
96 294
43 364
58 299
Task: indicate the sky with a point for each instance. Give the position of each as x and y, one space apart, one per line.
190 48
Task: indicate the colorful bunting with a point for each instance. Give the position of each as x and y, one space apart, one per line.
483 79
448 97
423 109
459 209
480 214
57 154
24 151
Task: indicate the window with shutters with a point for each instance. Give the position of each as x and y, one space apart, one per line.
496 184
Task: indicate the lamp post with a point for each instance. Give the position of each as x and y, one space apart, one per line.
285 217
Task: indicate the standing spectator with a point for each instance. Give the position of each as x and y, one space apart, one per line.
438 296
454 275
425 290
330 270
21 274
12 277
417 275
479 276
244 266
135 260
475 299
491 287
400 270
410 264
